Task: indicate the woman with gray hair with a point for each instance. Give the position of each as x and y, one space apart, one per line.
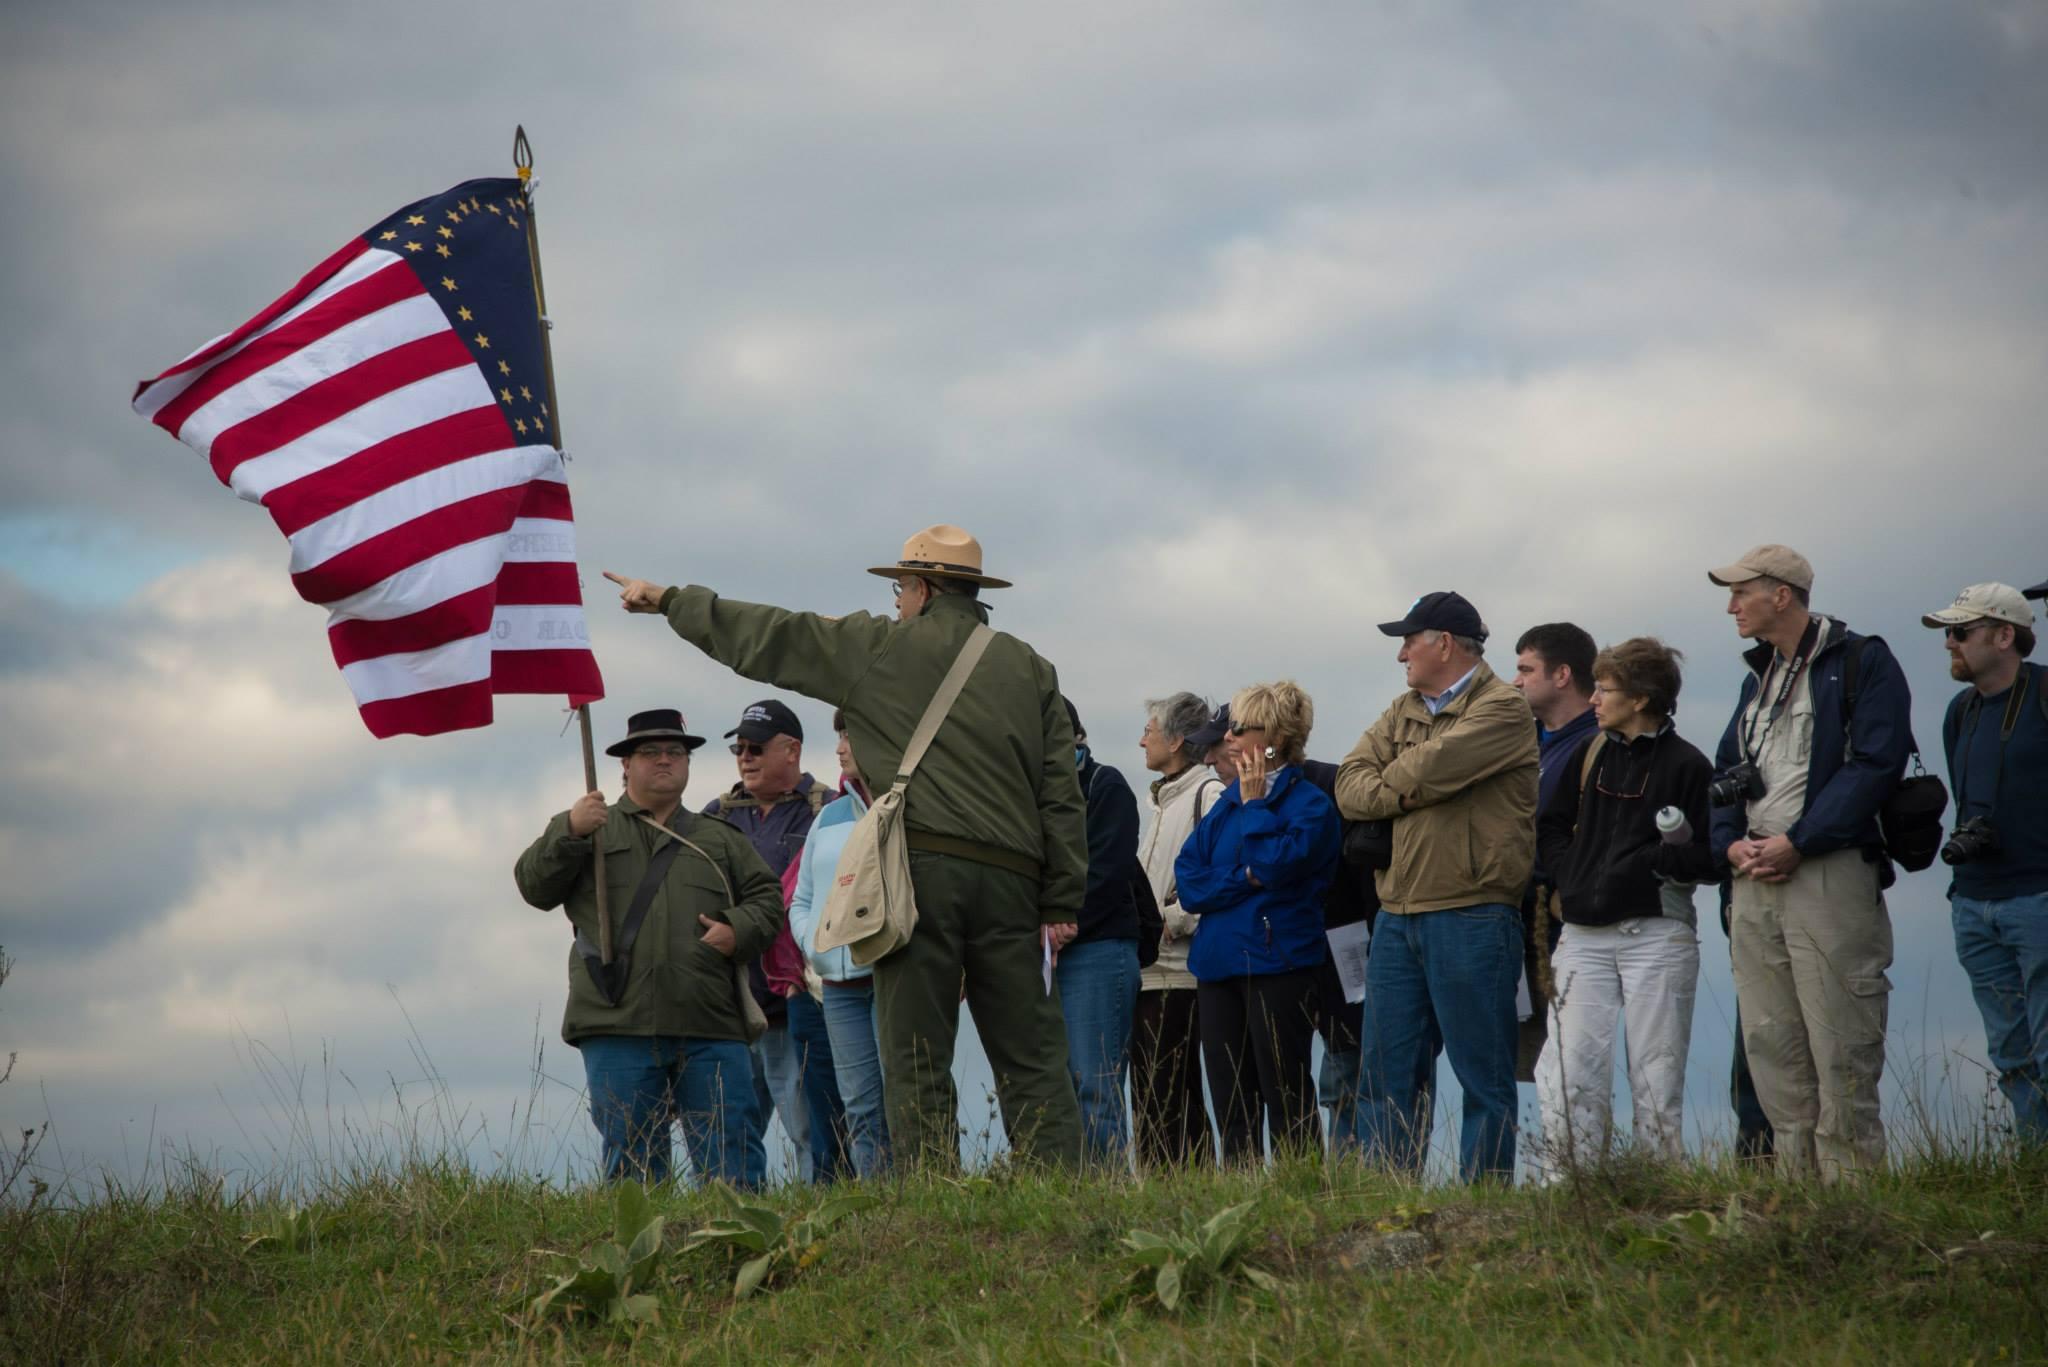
1166 1068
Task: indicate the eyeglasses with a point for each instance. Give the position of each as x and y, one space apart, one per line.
1605 791
747 748
1962 633
662 752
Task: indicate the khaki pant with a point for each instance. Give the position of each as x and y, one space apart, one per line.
1810 957
981 924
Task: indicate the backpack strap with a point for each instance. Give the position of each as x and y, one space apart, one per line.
942 701
1852 667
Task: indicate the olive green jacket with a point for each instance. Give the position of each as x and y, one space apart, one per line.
1468 832
1001 772
678 985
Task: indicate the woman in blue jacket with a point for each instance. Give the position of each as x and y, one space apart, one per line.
849 987
1255 871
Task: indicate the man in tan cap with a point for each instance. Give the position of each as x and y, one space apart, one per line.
994 817
1996 738
1799 780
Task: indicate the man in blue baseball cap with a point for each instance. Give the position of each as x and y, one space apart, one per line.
1452 763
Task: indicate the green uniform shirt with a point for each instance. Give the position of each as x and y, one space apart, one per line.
677 984
1001 772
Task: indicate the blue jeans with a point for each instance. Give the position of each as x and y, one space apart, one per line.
857 1061
1450 976
640 1083
1098 983
1337 1091
2003 946
813 1047
778 1086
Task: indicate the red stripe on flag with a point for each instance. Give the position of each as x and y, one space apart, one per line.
392 461
455 708
541 581
377 558
336 396
460 617
380 291
456 619
546 671
547 498
284 303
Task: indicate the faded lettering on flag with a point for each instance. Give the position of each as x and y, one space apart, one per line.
391 413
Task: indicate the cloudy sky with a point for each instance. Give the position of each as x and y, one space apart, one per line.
1228 328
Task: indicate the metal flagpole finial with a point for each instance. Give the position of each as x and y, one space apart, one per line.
522 152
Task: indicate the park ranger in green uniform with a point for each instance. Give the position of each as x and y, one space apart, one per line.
994 819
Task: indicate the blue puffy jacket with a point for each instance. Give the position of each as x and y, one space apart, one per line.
1843 790
1290 840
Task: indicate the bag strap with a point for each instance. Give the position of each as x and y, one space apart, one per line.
643 897
1586 762
942 701
681 843
1852 666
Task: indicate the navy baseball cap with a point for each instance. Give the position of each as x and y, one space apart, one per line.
766 720
1440 611
1212 730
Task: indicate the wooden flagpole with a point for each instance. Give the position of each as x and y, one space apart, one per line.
522 161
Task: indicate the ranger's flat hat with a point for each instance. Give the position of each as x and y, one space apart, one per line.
661 723
1984 602
941 552
1781 563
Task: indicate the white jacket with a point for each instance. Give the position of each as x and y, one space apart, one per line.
1176 805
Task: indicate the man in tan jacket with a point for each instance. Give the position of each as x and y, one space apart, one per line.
1452 765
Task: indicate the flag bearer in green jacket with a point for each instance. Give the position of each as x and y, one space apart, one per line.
994 819
663 1031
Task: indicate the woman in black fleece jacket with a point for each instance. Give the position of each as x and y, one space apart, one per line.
1628 950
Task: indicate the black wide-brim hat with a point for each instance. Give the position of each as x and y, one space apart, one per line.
2039 590
663 723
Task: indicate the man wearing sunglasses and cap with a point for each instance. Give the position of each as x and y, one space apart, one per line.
662 1029
1800 777
774 804
994 818
1996 738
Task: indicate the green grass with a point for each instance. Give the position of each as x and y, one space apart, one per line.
1942 1261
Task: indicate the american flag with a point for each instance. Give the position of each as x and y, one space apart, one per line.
391 411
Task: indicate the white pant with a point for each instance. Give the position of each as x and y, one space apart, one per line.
1643 970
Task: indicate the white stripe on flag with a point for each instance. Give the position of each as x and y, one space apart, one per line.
425 583
539 626
540 540
400 503
418 671
347 346
151 400
401 410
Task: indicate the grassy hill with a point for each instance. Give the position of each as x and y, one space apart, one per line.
1944 1261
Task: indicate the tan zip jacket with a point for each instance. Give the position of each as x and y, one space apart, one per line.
1467 832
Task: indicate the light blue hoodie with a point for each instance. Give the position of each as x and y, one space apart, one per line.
822 848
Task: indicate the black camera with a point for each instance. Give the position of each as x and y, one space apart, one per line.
1738 783
1972 840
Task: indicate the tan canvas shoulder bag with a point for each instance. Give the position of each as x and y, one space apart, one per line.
871 909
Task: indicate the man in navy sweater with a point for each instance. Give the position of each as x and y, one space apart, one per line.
1554 671
1996 738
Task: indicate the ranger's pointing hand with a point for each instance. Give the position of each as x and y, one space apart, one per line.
636 595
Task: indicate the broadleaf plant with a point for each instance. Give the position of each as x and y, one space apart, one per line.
1174 1269
610 1280
767 1244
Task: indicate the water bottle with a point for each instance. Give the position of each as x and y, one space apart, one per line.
1672 825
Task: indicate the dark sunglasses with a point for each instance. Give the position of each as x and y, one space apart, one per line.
1962 633
747 748
1238 728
